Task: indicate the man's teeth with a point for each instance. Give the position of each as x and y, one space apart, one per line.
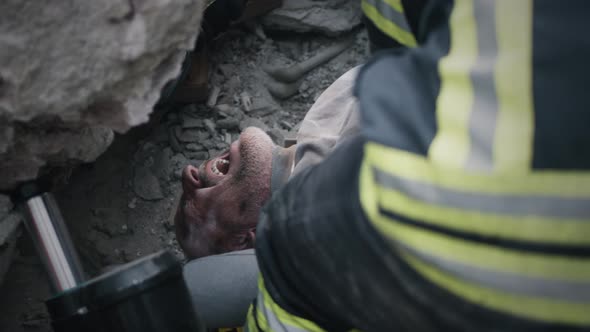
214 168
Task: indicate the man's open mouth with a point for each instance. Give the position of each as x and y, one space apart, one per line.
220 165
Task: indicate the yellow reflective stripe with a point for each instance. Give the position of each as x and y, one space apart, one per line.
368 191
530 307
251 321
395 4
415 167
534 229
514 133
285 317
450 146
388 27
485 256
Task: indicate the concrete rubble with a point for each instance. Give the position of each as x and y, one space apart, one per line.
10 227
73 71
330 17
120 207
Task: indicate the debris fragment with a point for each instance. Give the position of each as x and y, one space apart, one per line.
133 203
212 100
282 90
296 71
246 101
259 32
228 123
210 126
190 122
146 185
174 144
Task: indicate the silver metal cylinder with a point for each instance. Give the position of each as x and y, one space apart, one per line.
48 231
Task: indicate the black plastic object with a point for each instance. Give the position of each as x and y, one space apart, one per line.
145 295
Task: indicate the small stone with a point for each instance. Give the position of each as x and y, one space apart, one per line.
212 100
227 138
190 122
146 185
286 124
133 203
178 173
193 135
5 205
229 123
228 70
199 155
194 147
210 126
246 101
9 225
277 136
225 108
262 107
209 144
189 109
173 139
221 145
252 122
161 164
231 112
179 160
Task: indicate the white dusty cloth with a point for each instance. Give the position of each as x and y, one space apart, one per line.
333 117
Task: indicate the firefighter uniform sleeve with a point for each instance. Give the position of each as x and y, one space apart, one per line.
464 204
393 23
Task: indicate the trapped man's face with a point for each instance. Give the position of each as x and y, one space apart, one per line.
222 198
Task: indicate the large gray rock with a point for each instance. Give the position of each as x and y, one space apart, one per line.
71 71
331 17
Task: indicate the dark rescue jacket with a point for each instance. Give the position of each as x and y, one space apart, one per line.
465 203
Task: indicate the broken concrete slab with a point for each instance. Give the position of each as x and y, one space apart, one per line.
146 185
330 17
53 95
228 123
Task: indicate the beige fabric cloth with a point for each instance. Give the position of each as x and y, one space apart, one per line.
333 117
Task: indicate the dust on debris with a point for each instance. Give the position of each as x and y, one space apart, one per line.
119 208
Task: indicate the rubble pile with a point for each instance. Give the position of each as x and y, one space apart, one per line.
71 72
120 207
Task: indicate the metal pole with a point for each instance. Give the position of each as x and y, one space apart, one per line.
48 231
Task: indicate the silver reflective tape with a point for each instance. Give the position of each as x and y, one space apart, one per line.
484 113
390 14
503 204
571 291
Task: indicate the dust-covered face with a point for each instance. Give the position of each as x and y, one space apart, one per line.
222 198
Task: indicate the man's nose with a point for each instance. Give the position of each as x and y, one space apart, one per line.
190 179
